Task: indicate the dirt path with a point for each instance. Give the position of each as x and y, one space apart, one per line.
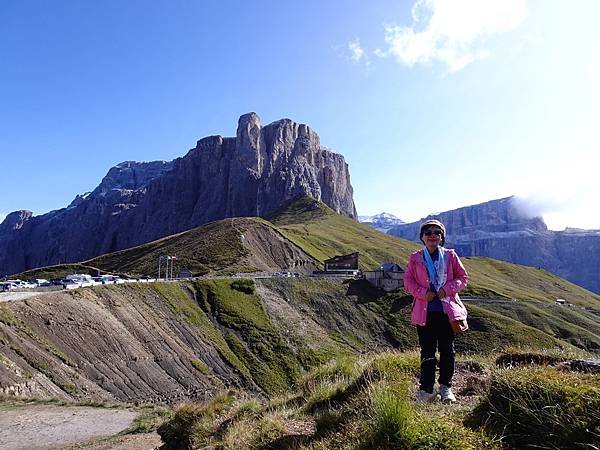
15 296
148 441
35 427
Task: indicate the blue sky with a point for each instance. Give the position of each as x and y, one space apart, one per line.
434 105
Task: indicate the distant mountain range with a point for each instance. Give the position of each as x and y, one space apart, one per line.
252 174
382 222
501 229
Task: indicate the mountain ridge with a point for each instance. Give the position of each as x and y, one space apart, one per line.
502 229
251 174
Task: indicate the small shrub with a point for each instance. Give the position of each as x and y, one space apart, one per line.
40 366
237 434
247 409
345 368
149 420
325 392
392 365
255 433
69 388
187 427
396 424
200 366
541 407
268 429
391 425
244 285
192 423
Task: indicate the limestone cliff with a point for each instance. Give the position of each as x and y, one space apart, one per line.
252 174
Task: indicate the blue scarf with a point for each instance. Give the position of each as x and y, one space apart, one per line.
437 279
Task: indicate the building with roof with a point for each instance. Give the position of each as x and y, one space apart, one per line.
389 277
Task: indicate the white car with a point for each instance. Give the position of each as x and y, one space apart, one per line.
22 284
70 284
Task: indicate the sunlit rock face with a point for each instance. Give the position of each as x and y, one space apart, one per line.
502 229
252 174
382 222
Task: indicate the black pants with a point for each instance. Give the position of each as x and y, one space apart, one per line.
436 334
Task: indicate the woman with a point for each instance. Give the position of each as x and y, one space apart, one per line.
434 276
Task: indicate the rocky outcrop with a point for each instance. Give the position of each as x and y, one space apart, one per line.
171 342
501 229
252 174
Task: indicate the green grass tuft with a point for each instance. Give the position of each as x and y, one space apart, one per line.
244 285
150 418
524 404
200 366
191 423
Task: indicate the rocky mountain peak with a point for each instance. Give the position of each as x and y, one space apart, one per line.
132 175
15 220
382 221
249 144
251 174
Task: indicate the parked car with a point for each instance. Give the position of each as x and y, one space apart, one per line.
5 286
70 284
22 284
108 279
80 278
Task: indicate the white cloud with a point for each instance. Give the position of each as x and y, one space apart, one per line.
563 190
452 32
356 51
2 217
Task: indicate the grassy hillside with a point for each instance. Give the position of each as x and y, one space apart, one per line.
322 233
303 357
354 317
525 283
212 247
367 402
57 271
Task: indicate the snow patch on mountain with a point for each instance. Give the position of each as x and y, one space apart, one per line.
381 222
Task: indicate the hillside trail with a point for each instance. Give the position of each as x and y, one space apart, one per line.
37 427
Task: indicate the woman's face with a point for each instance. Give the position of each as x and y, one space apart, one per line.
432 237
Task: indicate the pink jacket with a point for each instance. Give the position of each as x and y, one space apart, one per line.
416 282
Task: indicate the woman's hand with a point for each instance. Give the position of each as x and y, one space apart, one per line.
430 295
442 293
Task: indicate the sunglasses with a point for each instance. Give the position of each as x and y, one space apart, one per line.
430 232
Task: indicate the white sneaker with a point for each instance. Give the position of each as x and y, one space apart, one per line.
447 394
426 397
